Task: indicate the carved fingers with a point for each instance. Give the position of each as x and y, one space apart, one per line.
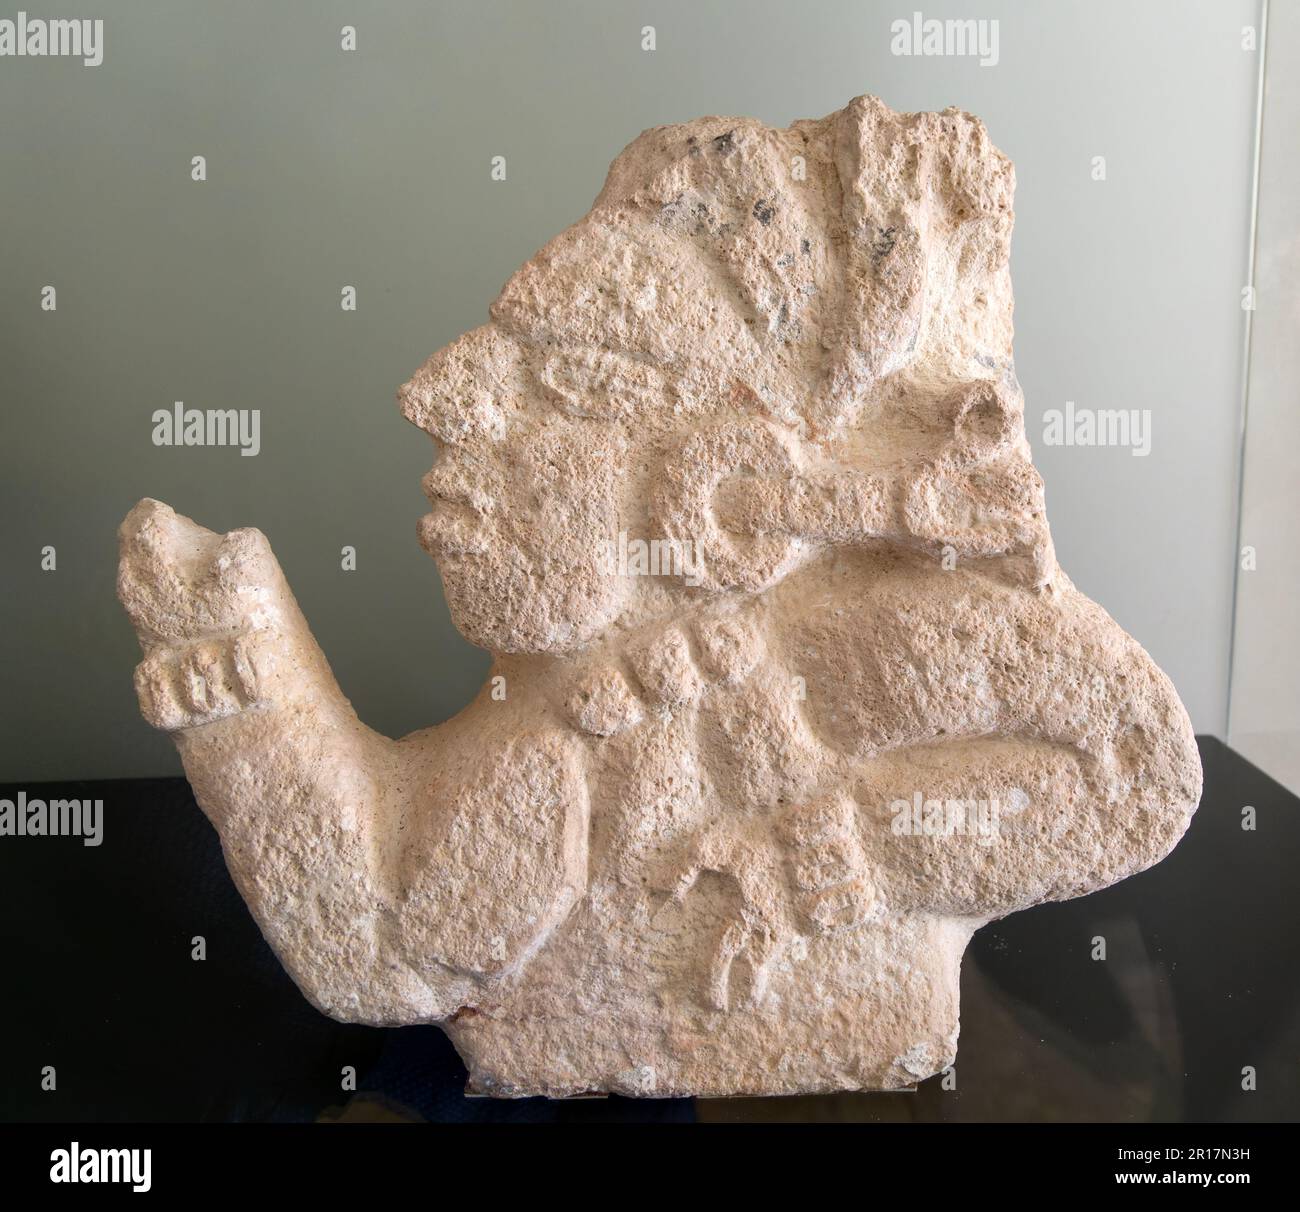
827 865
186 685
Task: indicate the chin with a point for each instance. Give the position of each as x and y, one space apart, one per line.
497 604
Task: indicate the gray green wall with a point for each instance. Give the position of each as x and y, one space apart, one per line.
371 168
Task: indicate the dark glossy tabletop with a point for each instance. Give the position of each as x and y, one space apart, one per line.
1199 981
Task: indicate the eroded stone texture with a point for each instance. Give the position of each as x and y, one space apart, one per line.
733 823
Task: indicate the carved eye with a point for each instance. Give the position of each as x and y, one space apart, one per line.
601 384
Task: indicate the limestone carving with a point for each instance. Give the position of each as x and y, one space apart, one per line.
793 696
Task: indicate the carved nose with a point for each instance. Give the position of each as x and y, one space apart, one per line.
462 393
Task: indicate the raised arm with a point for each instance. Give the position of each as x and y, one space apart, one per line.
363 859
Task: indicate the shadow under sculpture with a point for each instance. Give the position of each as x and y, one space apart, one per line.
725 827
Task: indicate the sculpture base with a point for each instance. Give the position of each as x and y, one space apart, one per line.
897 1027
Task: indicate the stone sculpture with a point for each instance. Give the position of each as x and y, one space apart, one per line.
732 824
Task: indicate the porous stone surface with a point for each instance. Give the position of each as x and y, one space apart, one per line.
790 695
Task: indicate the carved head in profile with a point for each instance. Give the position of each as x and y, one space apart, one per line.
759 344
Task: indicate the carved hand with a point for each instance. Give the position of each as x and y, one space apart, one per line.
207 609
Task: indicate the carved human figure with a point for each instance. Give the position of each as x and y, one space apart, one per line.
707 841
